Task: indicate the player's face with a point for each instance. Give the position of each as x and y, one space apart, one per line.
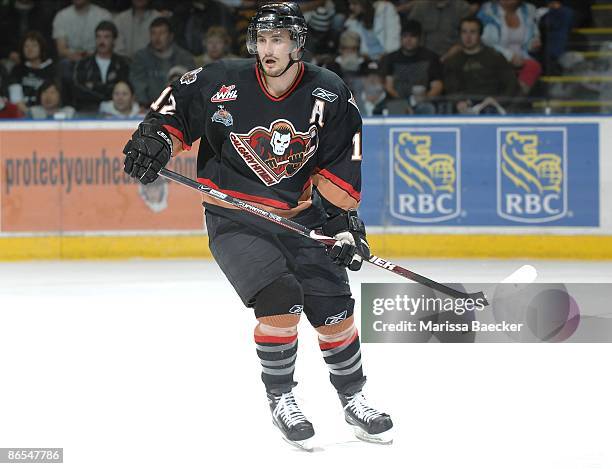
273 49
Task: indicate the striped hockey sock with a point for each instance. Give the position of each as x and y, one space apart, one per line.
277 355
343 358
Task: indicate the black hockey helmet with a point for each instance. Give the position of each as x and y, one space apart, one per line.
278 15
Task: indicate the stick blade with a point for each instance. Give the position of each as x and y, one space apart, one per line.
524 274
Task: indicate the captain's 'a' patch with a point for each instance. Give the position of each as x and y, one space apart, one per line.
324 94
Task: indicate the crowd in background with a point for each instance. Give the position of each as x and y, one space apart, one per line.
63 59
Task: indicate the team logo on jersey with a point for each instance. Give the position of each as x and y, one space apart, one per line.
225 93
276 152
336 318
222 116
425 179
532 174
190 76
324 94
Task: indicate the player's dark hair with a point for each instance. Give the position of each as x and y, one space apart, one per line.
107 26
42 45
475 20
161 21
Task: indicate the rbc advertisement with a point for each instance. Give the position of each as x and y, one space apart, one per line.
481 175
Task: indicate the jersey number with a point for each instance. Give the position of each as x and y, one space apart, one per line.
356 147
165 97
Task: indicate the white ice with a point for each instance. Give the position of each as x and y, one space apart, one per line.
151 364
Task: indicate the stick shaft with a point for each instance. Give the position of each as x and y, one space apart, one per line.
312 234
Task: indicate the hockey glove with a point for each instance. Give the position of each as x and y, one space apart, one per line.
351 247
147 152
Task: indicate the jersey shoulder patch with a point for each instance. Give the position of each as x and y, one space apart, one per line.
325 94
191 76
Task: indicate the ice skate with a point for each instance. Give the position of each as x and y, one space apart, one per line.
287 416
368 424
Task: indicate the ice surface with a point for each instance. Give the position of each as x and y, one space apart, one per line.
151 364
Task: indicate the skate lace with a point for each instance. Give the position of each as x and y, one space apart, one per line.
288 410
361 409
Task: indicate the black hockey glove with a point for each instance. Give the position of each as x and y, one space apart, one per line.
351 247
147 152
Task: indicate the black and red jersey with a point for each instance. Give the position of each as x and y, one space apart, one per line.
264 149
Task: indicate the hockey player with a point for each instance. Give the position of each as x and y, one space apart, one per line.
284 135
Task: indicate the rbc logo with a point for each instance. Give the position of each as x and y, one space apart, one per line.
532 174
425 179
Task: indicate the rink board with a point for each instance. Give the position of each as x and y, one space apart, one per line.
443 187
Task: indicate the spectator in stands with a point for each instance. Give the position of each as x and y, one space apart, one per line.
478 71
114 5
50 99
123 105
377 24
322 39
582 10
74 33
9 110
413 71
350 59
217 44
175 73
191 21
510 27
404 7
19 17
3 81
556 22
440 22
151 64
95 76
74 29
34 68
372 98
133 27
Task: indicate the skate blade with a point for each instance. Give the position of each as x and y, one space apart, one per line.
384 438
305 445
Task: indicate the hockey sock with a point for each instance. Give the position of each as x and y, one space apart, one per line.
277 349
342 353
278 308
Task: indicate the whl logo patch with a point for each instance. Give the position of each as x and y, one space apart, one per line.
276 152
225 93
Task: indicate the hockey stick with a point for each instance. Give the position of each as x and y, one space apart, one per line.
312 234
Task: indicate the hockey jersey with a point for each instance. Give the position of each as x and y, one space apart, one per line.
271 151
